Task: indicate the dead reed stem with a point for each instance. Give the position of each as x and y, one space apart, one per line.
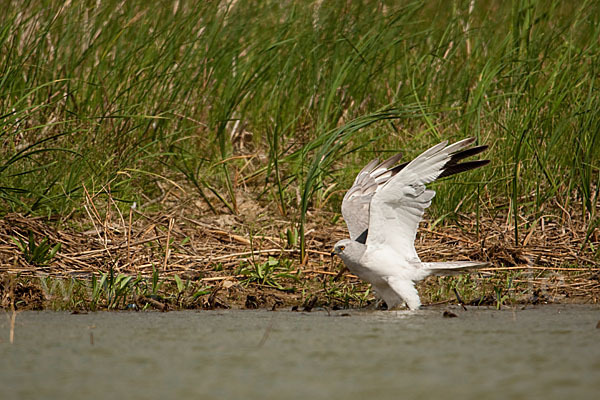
13 318
213 248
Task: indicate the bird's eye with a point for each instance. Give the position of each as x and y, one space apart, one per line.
342 248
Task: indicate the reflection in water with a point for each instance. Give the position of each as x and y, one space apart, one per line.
544 352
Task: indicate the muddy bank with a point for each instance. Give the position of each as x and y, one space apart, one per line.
174 261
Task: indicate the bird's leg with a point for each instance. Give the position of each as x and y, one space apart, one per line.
387 294
460 301
379 302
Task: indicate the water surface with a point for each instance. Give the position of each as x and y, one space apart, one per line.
548 352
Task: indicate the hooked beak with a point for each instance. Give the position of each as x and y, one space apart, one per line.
333 253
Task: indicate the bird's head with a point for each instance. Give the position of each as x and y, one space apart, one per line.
348 250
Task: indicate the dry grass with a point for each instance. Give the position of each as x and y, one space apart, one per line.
554 256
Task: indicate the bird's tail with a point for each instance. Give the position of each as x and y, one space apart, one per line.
452 267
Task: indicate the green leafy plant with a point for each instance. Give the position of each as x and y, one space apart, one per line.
347 296
38 254
180 285
113 289
503 293
268 273
291 237
155 281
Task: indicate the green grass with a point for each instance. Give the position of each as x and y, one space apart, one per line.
38 254
109 291
268 273
127 96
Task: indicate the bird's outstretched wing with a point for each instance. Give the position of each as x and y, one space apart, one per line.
355 206
397 206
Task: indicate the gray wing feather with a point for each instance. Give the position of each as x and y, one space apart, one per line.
440 161
355 206
399 205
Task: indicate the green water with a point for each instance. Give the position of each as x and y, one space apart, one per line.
549 352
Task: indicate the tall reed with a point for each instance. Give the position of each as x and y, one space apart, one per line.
130 94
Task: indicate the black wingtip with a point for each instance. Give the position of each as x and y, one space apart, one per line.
458 168
362 238
398 168
461 155
453 167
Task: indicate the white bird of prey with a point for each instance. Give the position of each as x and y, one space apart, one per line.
383 209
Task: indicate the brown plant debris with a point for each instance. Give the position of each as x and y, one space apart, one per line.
552 256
